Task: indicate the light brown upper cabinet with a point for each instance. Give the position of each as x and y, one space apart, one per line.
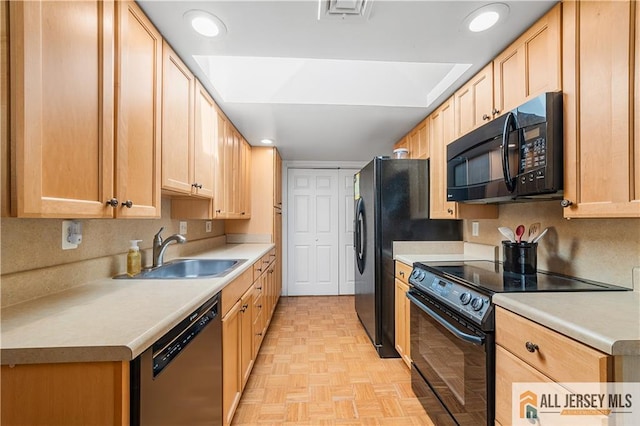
530 65
402 143
68 82
416 141
138 113
419 141
178 89
474 102
601 63
204 146
442 128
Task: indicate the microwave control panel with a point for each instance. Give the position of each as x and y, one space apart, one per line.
533 159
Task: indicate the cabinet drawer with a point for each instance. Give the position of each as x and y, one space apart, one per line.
557 356
509 370
403 271
234 291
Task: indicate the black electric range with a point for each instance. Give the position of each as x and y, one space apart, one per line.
452 333
467 286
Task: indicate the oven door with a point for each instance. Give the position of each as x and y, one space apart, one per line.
453 365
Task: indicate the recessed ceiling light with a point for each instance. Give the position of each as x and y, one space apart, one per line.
267 141
205 23
486 17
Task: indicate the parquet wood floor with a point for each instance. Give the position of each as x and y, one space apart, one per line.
318 367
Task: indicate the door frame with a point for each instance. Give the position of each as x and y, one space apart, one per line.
286 165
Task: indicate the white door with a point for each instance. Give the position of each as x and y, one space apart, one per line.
346 263
312 232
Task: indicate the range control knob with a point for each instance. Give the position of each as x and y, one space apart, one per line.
415 273
421 275
465 298
477 303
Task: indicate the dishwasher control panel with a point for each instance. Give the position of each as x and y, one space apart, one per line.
177 339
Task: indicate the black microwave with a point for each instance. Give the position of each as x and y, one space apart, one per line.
516 157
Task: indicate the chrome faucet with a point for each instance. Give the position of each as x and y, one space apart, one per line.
160 246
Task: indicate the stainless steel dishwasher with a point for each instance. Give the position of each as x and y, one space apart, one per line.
178 380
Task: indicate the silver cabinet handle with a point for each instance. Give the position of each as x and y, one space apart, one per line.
128 204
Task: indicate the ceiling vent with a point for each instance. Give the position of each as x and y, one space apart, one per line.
344 9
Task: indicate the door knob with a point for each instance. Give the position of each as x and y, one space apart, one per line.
113 202
128 204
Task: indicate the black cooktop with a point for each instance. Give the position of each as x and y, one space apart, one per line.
490 277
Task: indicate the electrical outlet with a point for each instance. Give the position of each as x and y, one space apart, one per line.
475 229
207 226
183 228
71 228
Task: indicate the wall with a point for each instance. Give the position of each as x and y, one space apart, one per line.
32 262
604 250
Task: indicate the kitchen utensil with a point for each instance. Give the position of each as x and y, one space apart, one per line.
536 239
507 232
534 230
519 233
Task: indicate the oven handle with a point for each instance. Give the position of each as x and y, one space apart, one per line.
479 341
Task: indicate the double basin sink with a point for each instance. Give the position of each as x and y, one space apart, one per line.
189 268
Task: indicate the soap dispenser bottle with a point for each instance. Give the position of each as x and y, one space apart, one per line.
134 259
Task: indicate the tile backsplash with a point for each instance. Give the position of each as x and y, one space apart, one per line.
604 250
33 263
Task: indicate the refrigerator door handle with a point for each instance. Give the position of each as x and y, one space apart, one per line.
360 235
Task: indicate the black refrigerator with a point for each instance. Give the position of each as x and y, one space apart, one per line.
391 204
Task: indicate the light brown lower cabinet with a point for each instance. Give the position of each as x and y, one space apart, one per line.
529 352
244 325
82 393
402 312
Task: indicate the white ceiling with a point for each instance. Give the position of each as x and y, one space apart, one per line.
334 89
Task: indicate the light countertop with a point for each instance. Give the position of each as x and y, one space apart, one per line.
605 320
107 319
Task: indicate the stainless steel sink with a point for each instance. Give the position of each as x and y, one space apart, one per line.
189 268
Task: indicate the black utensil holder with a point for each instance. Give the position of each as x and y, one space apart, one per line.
520 258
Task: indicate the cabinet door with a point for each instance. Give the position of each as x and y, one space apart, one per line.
510 370
474 102
602 157
231 374
400 318
62 83
277 182
138 109
246 344
442 126
177 123
244 192
81 393
530 65
229 171
418 145
220 167
258 321
402 143
204 143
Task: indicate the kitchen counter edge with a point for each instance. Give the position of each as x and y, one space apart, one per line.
607 321
66 326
